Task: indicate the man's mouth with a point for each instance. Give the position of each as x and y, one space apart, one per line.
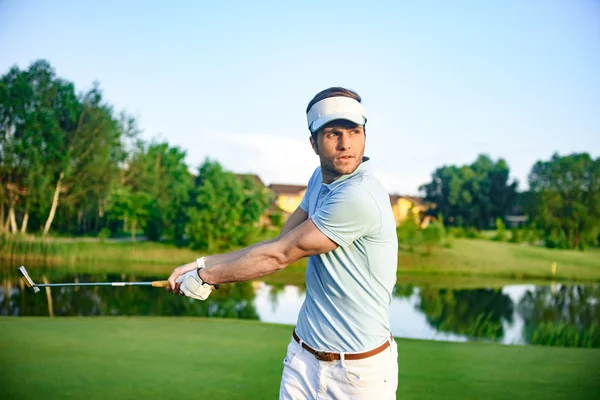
345 158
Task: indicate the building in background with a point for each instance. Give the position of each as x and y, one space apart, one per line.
287 197
405 206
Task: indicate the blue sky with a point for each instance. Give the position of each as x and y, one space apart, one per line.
441 81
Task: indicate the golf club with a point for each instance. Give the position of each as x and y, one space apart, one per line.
29 282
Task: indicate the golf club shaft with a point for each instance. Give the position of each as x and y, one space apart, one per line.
155 284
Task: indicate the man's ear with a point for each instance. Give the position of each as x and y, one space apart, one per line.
313 143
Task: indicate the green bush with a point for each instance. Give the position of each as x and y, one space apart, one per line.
433 236
556 240
457 232
532 235
409 234
103 234
517 235
276 218
472 233
500 230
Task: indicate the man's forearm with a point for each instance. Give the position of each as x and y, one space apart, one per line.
251 262
228 257
243 265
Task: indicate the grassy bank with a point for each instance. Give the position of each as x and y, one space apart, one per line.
158 358
467 259
485 258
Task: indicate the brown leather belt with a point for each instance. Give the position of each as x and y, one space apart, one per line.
324 356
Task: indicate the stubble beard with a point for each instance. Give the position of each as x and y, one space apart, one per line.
329 167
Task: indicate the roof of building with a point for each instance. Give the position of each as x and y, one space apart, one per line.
280 189
420 201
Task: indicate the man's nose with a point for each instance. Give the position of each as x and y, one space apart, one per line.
344 142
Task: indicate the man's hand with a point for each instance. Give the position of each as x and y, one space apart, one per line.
193 286
177 272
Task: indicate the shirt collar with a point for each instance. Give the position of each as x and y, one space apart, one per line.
365 166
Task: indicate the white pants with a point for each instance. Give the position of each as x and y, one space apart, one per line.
305 377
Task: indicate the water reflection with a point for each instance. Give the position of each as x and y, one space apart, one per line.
231 301
475 313
565 315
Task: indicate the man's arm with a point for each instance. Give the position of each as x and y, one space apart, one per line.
297 217
303 241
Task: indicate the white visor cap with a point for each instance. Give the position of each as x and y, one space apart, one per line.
333 108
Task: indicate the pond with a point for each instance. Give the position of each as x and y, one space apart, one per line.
513 314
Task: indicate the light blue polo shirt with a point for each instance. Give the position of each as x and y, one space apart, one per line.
349 289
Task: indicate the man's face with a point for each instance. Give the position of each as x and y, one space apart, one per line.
340 146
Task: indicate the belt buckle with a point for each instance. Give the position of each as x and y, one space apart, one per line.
323 356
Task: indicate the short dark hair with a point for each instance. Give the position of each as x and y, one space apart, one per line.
331 92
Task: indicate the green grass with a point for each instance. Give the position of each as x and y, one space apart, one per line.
485 258
468 258
182 358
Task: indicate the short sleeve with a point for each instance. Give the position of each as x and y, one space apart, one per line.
348 215
304 202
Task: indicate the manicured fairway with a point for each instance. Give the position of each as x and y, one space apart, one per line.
195 358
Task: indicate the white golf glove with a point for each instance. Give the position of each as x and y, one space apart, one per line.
193 286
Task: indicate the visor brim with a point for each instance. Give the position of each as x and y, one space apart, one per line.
319 123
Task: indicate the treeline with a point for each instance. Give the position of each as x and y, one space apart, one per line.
561 209
71 164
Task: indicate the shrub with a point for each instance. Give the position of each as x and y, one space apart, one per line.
457 232
276 218
433 236
472 233
500 230
517 235
409 234
104 234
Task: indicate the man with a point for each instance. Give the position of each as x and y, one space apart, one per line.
341 346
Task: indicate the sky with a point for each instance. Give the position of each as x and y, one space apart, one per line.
442 81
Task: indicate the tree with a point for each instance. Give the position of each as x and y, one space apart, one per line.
87 161
130 206
160 171
25 119
567 199
471 195
224 211
57 148
256 202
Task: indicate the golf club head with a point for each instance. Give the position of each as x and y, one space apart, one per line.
27 279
